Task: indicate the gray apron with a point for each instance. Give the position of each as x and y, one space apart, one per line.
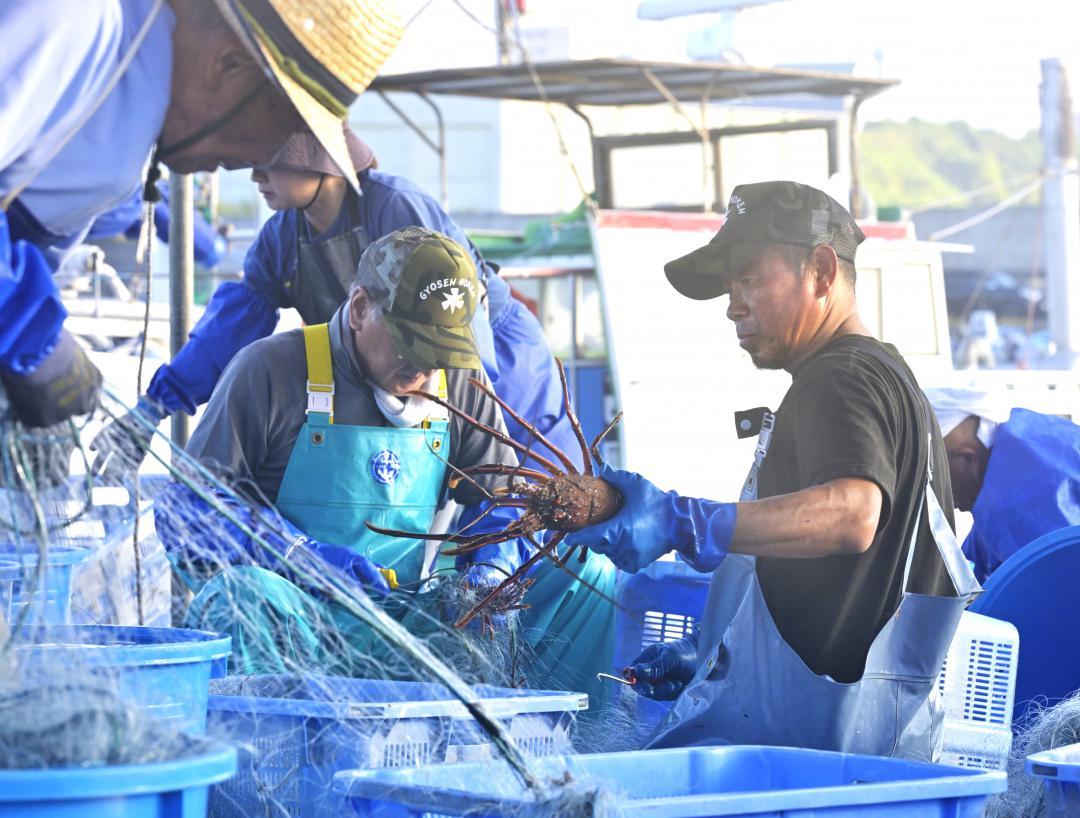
325 273
752 688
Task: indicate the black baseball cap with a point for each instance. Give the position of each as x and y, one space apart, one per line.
759 215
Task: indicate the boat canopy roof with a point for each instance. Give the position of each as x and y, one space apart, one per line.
629 82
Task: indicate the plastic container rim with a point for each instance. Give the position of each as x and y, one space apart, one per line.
20 560
1060 764
379 785
540 701
197 646
77 783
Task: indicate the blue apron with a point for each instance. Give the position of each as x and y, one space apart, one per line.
753 688
339 477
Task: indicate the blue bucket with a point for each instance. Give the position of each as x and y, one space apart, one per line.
704 782
50 604
177 789
164 671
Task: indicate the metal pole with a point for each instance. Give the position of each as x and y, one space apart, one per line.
181 278
855 196
502 39
1061 211
572 375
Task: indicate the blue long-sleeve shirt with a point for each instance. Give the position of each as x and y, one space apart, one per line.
242 312
1031 487
128 217
58 152
520 366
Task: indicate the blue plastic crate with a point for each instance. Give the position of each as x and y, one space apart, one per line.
165 671
1060 771
176 789
50 599
677 783
296 732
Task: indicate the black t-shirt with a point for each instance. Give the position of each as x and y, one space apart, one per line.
847 414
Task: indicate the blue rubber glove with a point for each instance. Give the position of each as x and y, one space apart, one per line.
355 568
121 446
480 518
201 542
652 522
31 312
664 669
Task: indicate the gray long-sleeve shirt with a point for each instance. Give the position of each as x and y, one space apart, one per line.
259 405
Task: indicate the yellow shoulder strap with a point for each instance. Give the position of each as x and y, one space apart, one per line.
438 412
320 370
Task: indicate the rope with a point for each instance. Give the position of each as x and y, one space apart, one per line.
539 85
974 193
700 128
526 59
147 238
989 213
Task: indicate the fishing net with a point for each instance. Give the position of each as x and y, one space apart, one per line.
176 544
81 724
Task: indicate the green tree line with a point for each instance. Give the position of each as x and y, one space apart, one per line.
916 163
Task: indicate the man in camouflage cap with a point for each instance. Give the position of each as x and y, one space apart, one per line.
324 423
426 288
833 637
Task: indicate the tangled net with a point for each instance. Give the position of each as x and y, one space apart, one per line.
314 622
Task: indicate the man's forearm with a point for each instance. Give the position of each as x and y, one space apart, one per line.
838 517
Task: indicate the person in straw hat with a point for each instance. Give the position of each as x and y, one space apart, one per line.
209 82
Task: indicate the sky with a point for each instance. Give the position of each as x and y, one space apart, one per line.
956 59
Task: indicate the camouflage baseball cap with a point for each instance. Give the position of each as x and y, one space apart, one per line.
758 215
427 287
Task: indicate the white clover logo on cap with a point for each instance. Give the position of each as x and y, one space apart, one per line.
453 300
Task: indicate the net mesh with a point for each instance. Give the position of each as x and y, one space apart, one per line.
184 548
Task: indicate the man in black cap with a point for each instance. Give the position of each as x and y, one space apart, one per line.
833 635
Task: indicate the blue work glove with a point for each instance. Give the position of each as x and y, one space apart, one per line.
123 443
314 556
65 384
652 522
664 669
201 542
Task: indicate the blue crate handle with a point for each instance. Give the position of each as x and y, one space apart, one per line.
1062 763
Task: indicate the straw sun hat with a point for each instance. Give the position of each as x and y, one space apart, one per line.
321 53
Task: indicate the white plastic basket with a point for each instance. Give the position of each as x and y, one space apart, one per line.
976 685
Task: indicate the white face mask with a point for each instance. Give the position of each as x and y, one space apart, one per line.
411 410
